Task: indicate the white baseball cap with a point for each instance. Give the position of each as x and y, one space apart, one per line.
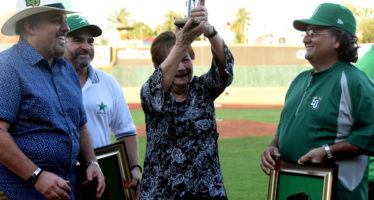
26 8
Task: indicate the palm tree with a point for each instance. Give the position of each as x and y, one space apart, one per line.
119 18
141 30
168 24
238 26
120 21
365 22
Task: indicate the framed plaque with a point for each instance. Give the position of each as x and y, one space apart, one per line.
310 181
114 164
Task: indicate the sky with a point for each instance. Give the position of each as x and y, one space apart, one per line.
265 13
268 16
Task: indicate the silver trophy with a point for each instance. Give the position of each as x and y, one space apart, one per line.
190 5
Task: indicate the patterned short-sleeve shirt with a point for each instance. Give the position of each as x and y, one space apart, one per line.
182 153
44 107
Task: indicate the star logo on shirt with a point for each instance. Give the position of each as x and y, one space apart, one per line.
102 107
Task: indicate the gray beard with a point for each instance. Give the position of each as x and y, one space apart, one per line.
81 66
57 52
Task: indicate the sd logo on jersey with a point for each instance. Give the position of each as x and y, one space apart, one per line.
315 102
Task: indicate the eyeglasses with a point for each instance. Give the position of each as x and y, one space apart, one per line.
314 32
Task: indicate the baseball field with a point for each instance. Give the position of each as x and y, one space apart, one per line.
246 119
247 114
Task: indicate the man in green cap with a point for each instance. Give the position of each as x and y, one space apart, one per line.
328 115
106 108
366 64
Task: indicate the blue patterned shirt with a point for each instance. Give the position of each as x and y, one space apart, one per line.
44 107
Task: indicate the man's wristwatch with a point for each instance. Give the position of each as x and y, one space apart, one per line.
34 177
328 151
138 166
93 163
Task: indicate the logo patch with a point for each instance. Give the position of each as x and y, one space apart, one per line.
340 21
32 3
315 102
102 107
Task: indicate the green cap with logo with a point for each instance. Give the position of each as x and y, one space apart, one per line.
329 14
77 22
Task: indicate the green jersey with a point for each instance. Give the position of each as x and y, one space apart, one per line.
366 64
326 107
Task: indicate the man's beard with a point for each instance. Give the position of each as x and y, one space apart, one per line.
81 63
57 50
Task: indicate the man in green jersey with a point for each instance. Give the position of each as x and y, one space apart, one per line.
366 64
328 113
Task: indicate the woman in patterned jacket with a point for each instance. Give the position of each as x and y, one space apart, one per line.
181 159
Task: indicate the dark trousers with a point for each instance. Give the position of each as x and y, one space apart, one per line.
371 190
194 197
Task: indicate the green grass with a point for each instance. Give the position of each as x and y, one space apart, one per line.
240 164
138 117
269 115
239 157
244 76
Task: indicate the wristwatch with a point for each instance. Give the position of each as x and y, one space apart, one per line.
214 33
34 177
328 151
93 163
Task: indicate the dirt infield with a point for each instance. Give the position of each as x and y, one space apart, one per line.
235 128
137 106
232 128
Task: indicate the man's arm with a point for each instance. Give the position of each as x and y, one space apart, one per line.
133 155
87 152
318 155
11 156
267 157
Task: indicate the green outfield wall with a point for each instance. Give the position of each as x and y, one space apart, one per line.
244 76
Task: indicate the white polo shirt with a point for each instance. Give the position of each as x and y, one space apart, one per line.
106 108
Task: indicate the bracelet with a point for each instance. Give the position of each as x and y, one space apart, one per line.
328 151
212 34
35 175
93 163
138 166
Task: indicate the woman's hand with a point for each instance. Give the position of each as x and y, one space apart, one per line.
186 35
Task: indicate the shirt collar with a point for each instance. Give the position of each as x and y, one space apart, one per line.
28 52
327 70
33 56
92 75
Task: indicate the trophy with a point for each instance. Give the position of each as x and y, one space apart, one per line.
190 5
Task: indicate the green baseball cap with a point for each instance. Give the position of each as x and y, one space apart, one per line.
77 22
329 14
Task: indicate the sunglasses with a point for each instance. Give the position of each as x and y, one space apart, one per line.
314 32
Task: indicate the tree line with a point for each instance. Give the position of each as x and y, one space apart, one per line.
129 30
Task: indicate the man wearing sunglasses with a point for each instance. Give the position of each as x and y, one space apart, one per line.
328 115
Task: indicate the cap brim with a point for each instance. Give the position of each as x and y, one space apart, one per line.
93 29
302 24
9 27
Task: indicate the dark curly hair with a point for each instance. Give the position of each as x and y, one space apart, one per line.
347 50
